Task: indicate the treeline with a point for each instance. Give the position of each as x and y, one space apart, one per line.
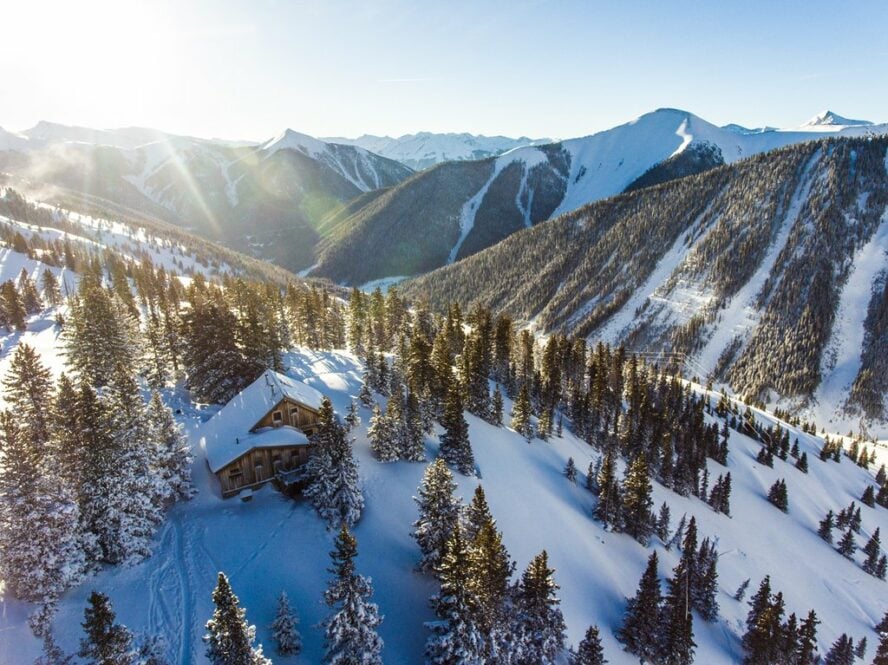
573 273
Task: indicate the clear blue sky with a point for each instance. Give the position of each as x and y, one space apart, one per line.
249 69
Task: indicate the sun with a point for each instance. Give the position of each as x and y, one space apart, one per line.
98 54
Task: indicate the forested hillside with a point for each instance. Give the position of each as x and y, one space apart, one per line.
444 215
745 271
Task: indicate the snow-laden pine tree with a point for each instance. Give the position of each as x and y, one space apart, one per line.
412 436
105 642
381 434
350 635
455 638
439 513
590 651
353 417
539 625
285 628
640 631
100 333
333 483
456 449
40 545
127 494
40 552
229 636
172 457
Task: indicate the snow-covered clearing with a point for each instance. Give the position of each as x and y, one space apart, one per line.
273 543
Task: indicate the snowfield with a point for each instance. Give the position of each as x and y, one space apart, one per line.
273 543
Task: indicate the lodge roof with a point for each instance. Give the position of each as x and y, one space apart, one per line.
226 436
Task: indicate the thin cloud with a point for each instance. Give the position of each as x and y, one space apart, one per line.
404 80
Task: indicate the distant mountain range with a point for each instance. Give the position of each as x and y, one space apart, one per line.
355 211
267 199
425 149
453 210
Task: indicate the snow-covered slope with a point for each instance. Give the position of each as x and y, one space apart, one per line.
273 543
425 149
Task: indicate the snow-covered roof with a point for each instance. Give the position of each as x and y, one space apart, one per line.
226 436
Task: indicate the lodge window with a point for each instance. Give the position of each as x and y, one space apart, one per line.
294 415
277 418
234 478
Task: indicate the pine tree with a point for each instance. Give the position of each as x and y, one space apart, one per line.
539 624
285 628
868 498
663 520
778 496
764 627
496 409
847 546
640 631
807 641
50 286
381 433
740 593
173 456
860 648
882 650
350 632
106 642
40 549
521 412
570 470
638 520
489 566
872 550
841 652
609 507
12 309
439 510
455 638
456 449
704 590
802 463
333 486
413 439
353 417
824 530
677 644
590 651
229 637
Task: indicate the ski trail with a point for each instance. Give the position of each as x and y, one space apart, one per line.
741 316
182 564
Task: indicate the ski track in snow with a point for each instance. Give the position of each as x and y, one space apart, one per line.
528 158
741 316
841 357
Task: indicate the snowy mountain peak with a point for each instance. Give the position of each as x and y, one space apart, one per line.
830 119
293 140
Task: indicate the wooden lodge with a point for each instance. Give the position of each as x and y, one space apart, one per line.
262 433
